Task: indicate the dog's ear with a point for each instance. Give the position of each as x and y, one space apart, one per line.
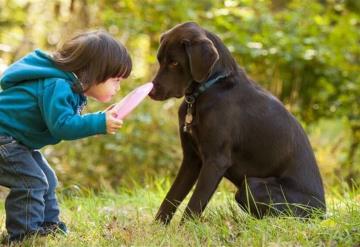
202 56
162 37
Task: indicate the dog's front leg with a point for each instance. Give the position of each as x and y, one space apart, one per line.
185 180
211 173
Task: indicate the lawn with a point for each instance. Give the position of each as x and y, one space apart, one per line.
126 218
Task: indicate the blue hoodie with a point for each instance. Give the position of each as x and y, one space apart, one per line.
38 106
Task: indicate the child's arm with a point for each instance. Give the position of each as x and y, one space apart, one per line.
59 109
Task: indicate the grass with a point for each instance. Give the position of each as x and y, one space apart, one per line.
125 218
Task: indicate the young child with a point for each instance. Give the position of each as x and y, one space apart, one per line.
42 98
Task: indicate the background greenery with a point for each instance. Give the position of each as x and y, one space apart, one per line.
305 52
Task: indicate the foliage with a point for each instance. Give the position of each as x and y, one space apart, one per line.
304 52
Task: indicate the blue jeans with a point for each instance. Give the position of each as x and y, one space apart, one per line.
32 182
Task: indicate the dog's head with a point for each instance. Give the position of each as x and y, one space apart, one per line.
186 54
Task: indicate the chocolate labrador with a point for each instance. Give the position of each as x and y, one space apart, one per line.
230 127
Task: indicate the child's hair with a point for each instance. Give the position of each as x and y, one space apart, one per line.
94 57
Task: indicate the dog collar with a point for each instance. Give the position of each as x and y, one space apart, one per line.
203 87
190 100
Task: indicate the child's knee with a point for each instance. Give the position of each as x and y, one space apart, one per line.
38 183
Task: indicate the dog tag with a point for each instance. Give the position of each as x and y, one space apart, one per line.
186 128
188 118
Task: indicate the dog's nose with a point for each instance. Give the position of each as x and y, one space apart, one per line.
153 90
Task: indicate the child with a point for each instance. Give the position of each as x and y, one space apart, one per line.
40 104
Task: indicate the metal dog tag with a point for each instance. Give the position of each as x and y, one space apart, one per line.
186 128
188 118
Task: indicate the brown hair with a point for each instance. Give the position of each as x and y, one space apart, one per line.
94 57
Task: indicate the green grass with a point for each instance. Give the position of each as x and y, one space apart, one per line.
125 218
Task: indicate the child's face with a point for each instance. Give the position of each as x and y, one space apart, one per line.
104 91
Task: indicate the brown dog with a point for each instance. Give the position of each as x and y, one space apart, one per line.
230 127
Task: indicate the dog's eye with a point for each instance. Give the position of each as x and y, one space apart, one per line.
174 64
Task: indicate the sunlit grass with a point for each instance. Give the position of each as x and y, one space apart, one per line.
126 218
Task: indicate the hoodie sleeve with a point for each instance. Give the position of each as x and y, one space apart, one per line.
59 106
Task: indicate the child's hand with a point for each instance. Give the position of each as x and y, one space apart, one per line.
112 123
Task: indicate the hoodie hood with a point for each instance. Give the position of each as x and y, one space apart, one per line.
36 65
